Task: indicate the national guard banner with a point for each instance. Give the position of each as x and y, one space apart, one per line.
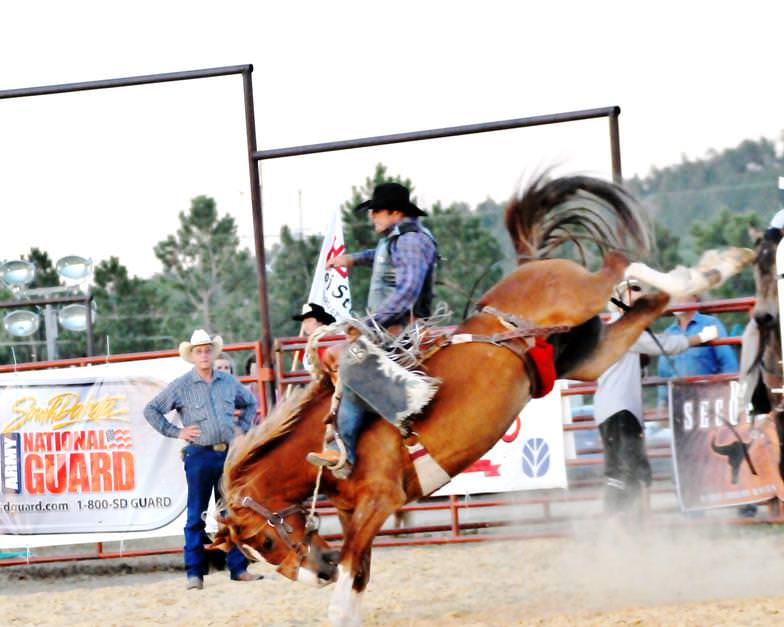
330 288
529 456
77 455
723 455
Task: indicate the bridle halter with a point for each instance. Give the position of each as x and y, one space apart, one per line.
277 520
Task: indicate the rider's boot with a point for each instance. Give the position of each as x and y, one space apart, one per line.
333 455
334 459
351 414
327 457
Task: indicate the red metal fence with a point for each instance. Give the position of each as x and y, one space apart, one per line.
480 517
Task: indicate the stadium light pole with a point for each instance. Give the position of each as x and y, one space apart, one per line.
77 315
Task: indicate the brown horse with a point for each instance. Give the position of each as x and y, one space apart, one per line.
484 386
761 351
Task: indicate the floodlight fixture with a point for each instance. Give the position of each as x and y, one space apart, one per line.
17 273
74 317
74 268
21 323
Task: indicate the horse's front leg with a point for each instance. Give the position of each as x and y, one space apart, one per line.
619 336
354 569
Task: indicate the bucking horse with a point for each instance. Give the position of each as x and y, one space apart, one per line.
761 365
485 380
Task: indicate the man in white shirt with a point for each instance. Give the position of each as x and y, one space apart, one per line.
618 407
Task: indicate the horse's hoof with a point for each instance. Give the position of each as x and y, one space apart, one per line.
339 618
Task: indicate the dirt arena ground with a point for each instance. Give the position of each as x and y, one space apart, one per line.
694 576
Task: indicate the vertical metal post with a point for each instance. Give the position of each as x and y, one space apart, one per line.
50 330
615 146
258 231
454 515
264 399
88 303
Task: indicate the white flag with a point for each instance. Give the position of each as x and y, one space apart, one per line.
330 287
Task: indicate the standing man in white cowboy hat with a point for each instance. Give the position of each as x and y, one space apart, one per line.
205 399
401 289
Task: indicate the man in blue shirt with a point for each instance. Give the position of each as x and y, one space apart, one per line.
401 290
205 399
698 360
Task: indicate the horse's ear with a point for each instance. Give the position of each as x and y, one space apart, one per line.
755 234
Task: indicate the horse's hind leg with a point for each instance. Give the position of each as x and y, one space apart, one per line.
618 337
580 295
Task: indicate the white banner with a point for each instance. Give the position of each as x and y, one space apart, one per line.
330 288
530 456
77 455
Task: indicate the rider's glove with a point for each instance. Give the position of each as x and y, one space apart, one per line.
709 333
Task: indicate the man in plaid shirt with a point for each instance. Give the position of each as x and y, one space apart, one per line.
205 399
401 289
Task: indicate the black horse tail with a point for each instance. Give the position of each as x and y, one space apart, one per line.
579 210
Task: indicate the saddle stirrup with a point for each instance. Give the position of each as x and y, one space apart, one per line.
341 448
326 458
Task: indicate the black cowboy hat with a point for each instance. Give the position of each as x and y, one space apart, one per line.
314 310
393 197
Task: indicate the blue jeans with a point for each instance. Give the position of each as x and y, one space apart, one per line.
351 415
203 470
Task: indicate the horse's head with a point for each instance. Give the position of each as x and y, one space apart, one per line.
767 294
280 534
265 481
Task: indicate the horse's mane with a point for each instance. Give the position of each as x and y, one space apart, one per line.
248 449
579 210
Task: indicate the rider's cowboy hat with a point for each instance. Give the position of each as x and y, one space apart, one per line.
200 338
393 197
314 310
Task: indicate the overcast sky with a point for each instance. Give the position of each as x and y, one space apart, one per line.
106 172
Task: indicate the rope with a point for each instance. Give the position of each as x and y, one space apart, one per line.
317 487
312 514
668 358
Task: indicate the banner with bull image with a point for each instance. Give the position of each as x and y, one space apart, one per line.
722 454
77 455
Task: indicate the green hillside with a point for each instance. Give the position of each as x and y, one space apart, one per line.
741 179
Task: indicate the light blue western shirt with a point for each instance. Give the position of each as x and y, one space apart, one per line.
210 406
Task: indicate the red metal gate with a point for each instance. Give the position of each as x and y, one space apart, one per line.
474 518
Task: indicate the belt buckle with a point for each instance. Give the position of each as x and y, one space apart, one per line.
220 447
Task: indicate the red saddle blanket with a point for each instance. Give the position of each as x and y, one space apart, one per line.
541 355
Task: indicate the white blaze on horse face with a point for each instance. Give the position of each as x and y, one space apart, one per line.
309 578
345 603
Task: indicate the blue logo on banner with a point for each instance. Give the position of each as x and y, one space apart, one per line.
10 463
536 457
